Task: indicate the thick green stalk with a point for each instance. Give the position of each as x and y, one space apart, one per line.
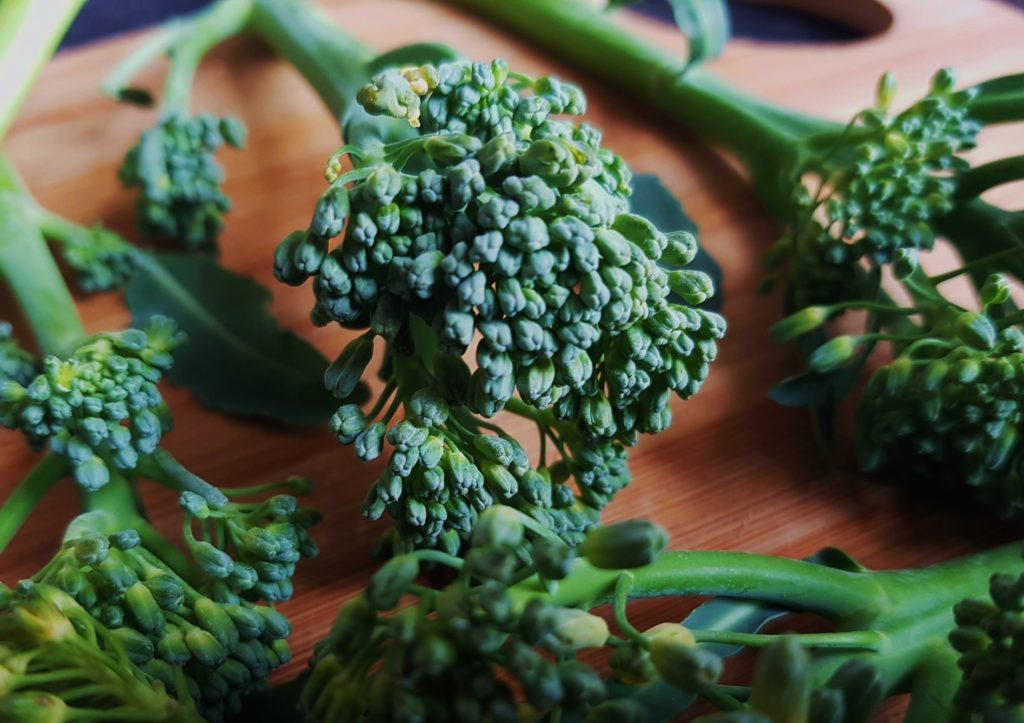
221 21
331 61
764 136
794 584
20 504
30 270
30 31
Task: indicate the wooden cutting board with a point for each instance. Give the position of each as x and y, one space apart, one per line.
735 470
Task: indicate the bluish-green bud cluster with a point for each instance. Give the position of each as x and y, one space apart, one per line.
178 179
877 189
16 364
99 407
952 413
205 643
59 664
986 637
465 650
504 227
258 543
101 259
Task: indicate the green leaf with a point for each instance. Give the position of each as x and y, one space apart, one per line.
705 23
652 200
237 359
414 54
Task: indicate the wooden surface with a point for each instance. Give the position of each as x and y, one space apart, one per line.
735 471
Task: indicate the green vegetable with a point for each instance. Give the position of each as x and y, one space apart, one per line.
173 166
498 223
121 624
853 202
460 649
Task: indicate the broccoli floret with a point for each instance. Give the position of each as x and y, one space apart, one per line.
197 639
62 664
504 226
100 406
178 179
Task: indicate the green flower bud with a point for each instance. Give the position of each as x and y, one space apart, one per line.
553 558
833 354
342 377
624 545
678 660
783 682
577 629
392 581
885 92
995 290
370 442
331 212
138 647
214 562
348 423
204 647
499 479
91 550
632 664
975 329
143 607
173 647
32 706
643 233
693 287
681 248
498 526
796 325
210 616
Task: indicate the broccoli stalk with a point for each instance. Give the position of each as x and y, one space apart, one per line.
855 201
460 652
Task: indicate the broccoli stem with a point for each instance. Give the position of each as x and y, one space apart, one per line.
221 21
766 137
330 60
794 584
30 270
20 504
29 34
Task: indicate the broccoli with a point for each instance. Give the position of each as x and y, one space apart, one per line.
523 606
61 664
857 202
502 227
173 166
121 624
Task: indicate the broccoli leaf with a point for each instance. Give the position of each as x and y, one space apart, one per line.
237 359
705 23
652 200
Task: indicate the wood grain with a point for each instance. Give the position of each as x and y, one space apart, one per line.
735 471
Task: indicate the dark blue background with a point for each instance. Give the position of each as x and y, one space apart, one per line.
100 18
